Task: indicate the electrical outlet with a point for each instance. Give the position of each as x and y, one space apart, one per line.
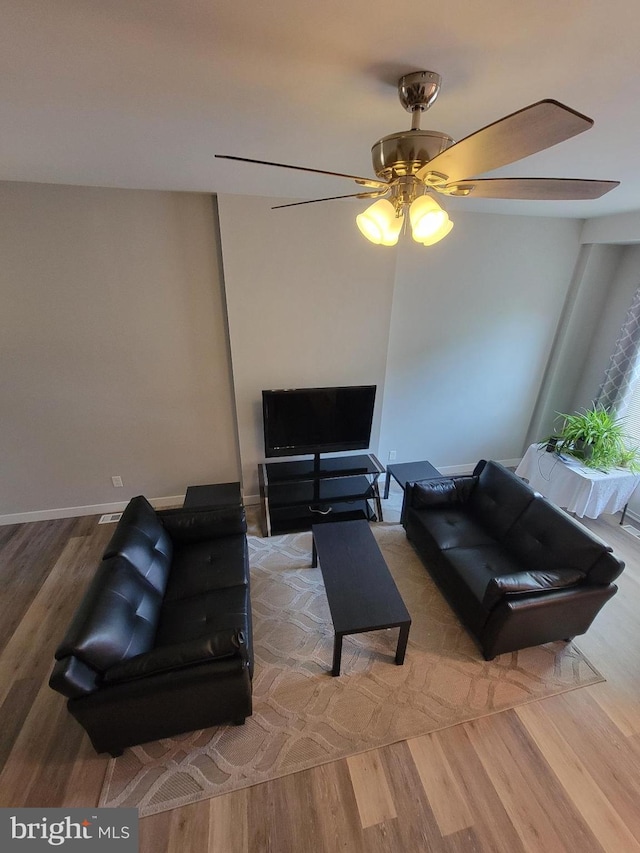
392 456
117 482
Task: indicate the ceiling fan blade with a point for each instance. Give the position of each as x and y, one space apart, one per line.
549 189
532 129
365 182
332 198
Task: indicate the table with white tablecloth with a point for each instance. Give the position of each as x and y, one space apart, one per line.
568 483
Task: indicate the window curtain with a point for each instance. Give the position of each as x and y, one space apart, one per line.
624 368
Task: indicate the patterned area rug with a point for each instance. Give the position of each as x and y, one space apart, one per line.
304 717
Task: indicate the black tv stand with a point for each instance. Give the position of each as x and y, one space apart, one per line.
295 495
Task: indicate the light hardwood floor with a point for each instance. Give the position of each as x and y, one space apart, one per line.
561 774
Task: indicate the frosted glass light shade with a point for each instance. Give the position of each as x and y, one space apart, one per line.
440 233
427 218
392 231
379 223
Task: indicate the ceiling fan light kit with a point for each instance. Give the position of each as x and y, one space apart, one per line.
439 234
414 165
428 219
380 224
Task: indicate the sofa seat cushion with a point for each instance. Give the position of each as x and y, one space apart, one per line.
452 527
199 616
116 619
203 567
478 565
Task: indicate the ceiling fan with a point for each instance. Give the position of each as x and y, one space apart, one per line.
414 166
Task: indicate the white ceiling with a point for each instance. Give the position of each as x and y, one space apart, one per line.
143 93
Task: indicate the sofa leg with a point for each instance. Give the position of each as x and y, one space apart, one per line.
568 639
239 722
116 753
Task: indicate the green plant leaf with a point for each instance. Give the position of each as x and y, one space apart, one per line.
596 437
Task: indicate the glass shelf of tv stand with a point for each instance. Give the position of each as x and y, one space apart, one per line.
294 495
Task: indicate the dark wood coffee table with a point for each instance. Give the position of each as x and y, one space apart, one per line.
409 472
361 593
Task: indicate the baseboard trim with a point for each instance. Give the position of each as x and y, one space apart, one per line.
177 500
94 509
448 470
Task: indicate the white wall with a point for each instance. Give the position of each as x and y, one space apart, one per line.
113 347
578 327
617 228
309 304
620 293
116 358
473 321
456 336
620 289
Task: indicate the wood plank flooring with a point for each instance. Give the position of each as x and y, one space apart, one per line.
560 774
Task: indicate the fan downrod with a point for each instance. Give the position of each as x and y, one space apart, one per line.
401 154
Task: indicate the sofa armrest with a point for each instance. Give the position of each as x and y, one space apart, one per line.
527 582
195 525
217 646
73 678
447 491
531 620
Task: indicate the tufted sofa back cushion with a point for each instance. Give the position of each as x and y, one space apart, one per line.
116 619
498 499
141 538
546 537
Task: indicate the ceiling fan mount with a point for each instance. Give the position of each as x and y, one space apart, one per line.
418 90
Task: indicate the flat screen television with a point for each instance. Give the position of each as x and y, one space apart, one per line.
299 421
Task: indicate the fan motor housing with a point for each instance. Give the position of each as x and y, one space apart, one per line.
406 152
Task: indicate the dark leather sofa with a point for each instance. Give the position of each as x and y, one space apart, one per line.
161 643
517 570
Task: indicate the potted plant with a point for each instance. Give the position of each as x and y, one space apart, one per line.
596 437
630 458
